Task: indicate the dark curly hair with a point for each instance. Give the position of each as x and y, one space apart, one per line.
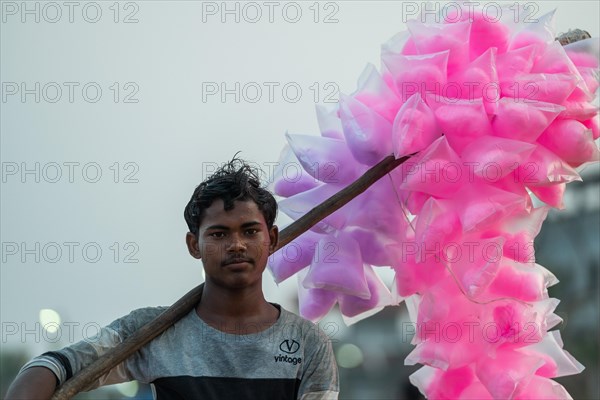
236 180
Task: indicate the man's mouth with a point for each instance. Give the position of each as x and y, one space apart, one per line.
238 260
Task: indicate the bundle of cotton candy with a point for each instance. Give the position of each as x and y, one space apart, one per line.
495 109
334 259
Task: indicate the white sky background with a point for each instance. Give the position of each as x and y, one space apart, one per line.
171 136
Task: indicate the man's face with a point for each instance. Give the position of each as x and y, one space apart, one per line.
233 245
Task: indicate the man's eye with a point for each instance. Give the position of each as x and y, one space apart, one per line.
252 231
217 234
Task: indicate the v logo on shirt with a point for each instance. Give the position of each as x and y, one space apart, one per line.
289 346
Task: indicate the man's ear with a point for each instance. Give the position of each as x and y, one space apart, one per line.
192 245
274 237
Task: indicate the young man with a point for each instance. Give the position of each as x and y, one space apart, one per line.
234 344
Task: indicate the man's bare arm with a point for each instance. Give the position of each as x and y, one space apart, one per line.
35 383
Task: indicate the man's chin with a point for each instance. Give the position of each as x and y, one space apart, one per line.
238 280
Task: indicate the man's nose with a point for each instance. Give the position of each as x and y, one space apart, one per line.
237 243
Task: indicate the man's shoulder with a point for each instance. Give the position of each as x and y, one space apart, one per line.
136 319
147 312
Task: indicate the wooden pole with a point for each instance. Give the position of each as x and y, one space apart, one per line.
85 378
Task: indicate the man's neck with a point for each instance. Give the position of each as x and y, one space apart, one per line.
236 311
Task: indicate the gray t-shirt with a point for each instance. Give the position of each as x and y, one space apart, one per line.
291 359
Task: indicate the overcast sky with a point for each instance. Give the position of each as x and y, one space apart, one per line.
130 118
